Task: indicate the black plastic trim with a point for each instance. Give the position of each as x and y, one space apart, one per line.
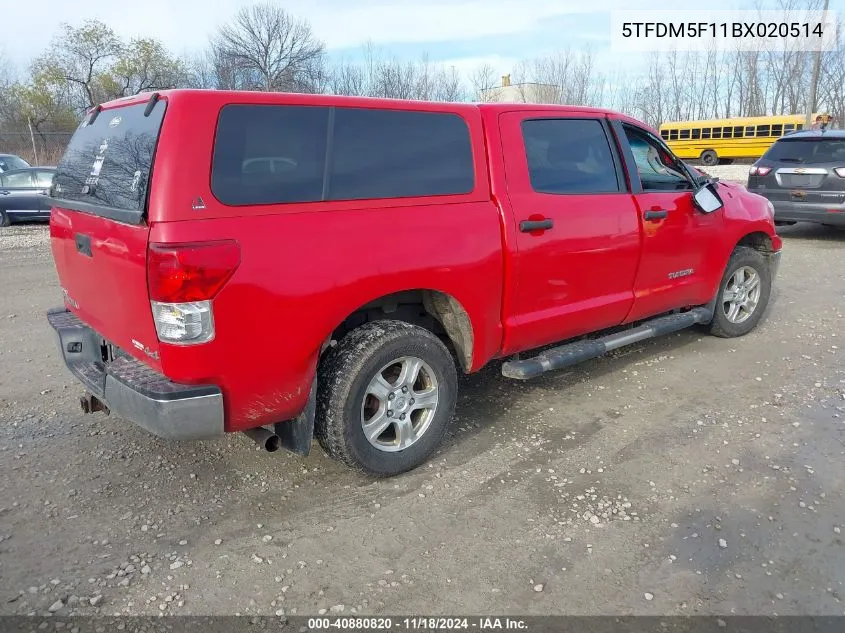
175 391
573 353
127 216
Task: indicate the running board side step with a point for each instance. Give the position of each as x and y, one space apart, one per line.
574 353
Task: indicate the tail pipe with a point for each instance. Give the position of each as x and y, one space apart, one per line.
264 438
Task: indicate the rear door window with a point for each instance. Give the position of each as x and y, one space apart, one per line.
569 156
107 165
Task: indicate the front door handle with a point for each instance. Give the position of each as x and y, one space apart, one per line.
4 193
527 226
656 214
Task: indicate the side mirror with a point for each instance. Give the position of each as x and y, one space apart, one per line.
706 199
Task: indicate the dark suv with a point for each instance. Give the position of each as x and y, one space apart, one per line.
803 175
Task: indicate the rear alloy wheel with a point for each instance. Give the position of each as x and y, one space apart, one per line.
709 157
386 395
743 294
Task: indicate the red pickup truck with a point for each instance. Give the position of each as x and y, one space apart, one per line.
293 266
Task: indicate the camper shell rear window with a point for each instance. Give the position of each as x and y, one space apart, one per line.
107 166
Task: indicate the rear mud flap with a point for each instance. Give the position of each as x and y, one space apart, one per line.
297 434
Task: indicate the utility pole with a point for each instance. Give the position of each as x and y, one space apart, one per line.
814 81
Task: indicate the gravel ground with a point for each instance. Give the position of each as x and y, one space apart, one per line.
685 475
733 173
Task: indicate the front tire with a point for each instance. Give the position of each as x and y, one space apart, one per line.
387 392
743 294
4 219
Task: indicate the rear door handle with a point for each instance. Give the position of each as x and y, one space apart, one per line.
4 193
527 226
656 214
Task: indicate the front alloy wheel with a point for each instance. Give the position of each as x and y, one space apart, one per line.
743 294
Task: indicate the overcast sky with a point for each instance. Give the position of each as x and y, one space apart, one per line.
459 32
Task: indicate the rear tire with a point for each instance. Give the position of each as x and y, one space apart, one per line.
4 219
377 373
709 157
743 294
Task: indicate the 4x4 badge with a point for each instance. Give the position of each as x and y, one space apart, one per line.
198 204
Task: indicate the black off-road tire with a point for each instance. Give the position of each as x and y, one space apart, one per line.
345 373
742 256
4 219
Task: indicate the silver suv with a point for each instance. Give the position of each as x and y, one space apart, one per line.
803 175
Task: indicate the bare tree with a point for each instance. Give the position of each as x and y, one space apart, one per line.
268 49
392 78
199 71
449 85
651 94
482 80
348 79
6 70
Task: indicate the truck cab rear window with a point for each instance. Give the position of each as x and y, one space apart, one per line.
107 165
283 154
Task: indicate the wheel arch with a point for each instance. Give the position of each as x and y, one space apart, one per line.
758 240
437 311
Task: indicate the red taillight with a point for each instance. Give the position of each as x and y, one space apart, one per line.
759 171
840 171
178 273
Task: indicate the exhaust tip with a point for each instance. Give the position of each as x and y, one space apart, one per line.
268 440
273 443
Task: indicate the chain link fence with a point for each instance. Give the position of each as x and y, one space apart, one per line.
47 150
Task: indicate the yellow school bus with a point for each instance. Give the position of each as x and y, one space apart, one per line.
722 140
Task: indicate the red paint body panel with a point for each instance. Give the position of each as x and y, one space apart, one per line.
305 267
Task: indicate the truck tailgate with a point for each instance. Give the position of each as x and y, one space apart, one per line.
101 265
